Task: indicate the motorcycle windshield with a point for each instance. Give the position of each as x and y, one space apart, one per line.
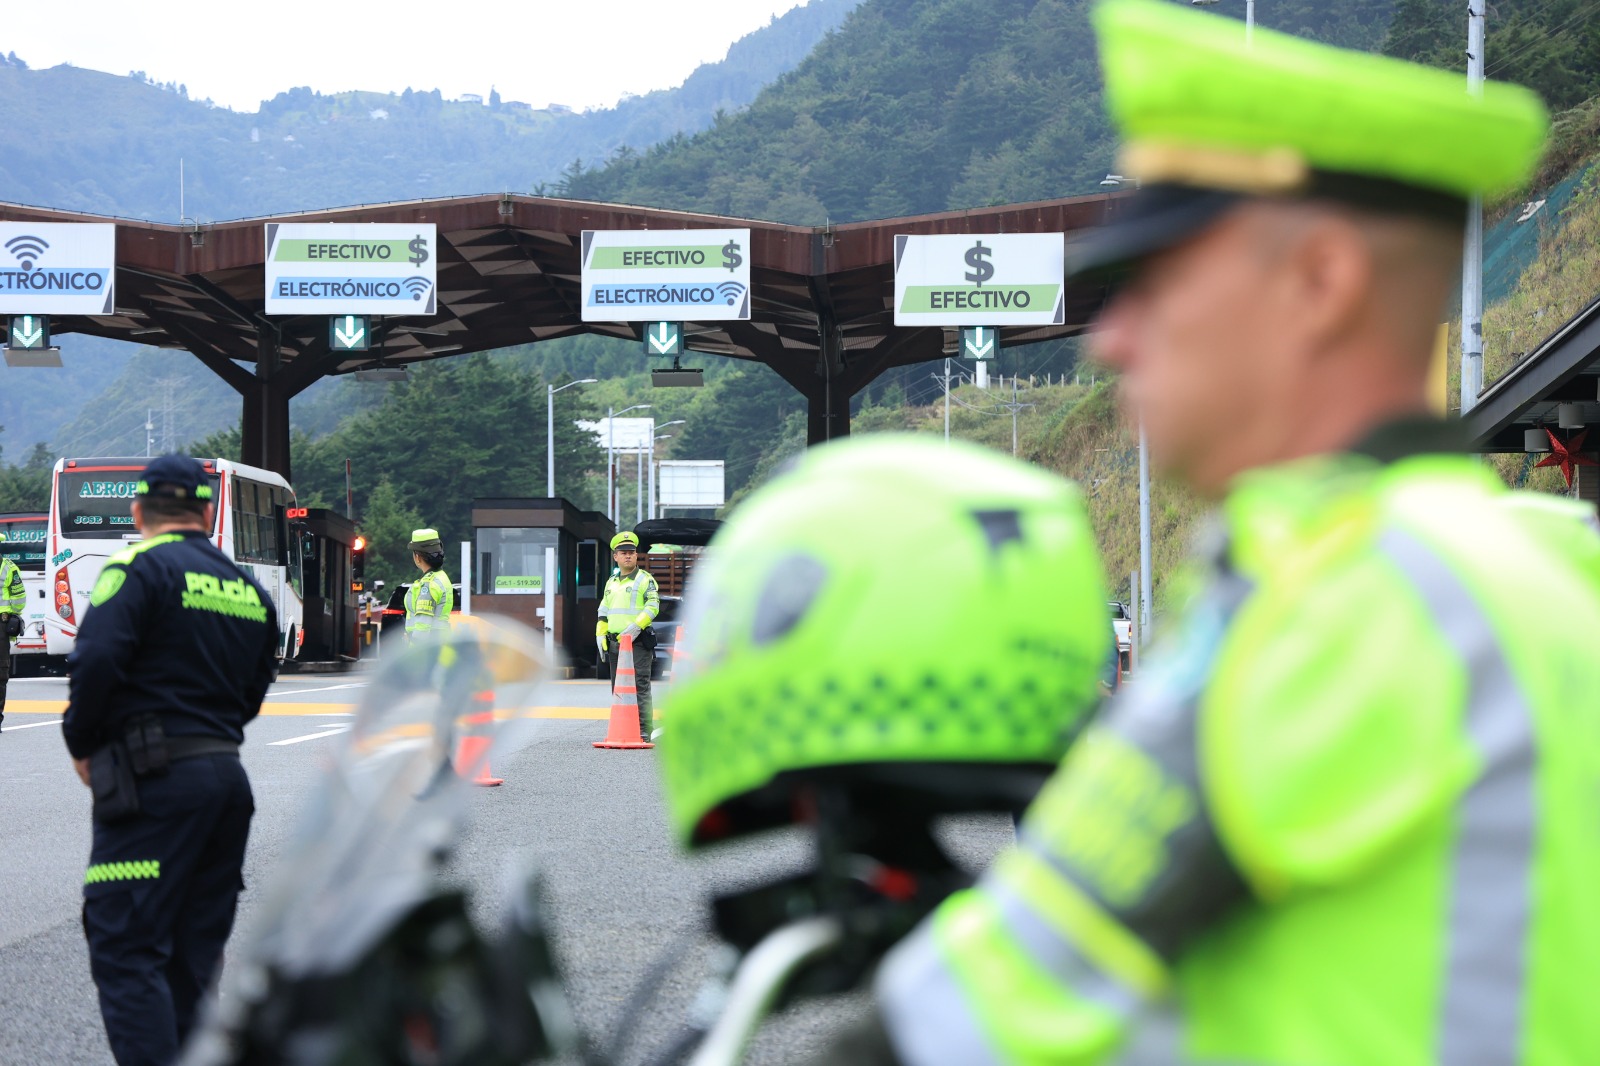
394 798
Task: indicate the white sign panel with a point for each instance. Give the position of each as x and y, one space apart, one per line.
58 268
692 483
979 279
352 269
623 434
699 275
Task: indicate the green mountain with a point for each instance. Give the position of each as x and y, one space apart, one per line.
910 105
81 140
928 105
923 105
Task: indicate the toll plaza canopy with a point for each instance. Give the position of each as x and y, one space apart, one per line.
1564 369
509 274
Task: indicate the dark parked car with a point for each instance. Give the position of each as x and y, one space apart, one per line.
681 532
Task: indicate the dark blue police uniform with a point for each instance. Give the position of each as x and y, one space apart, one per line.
178 632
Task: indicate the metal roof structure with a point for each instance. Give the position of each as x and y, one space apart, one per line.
508 274
1565 368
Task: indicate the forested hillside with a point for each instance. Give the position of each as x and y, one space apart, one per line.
910 105
924 105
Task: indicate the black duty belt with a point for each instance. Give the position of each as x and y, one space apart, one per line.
193 747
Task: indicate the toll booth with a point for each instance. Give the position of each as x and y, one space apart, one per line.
331 620
509 538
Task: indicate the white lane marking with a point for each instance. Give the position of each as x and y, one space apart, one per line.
32 725
310 736
328 688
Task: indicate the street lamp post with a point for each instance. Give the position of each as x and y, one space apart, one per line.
653 438
1145 578
611 443
550 433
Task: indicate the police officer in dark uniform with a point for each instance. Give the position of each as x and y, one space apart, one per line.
173 658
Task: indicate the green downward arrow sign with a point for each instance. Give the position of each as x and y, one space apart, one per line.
29 331
350 332
664 338
978 342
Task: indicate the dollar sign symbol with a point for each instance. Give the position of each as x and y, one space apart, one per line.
731 257
419 250
982 270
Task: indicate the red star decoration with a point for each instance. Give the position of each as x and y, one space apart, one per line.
1565 454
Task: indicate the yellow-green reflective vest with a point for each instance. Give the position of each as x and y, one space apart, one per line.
429 601
13 595
629 600
1349 815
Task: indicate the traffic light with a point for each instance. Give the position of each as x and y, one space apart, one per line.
358 564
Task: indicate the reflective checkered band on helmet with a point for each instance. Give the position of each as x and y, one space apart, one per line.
100 873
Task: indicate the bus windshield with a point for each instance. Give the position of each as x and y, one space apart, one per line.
22 541
95 502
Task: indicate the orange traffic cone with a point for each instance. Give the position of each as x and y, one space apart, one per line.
624 731
472 750
678 654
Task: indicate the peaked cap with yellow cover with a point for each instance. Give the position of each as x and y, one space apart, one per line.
1208 119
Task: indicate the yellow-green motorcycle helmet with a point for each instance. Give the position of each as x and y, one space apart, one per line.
892 607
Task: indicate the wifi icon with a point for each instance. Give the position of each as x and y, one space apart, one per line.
417 287
27 250
731 291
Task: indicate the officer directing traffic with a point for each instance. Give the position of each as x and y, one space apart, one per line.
430 599
13 601
1347 813
172 659
630 604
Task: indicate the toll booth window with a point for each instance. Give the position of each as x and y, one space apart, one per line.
589 570
511 561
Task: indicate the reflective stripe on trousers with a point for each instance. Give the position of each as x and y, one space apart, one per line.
1480 1019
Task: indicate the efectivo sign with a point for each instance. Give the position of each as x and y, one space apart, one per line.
58 268
961 279
336 268
687 275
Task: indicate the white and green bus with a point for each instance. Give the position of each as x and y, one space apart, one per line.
22 541
90 520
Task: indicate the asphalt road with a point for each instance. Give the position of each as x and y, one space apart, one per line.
621 894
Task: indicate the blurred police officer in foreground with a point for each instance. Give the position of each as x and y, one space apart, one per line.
1347 813
630 604
13 599
430 599
173 658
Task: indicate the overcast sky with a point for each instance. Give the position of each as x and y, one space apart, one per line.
582 53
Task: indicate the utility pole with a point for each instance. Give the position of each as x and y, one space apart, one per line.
1472 253
947 401
1013 407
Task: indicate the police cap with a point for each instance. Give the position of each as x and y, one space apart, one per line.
176 477
1208 119
426 541
625 540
